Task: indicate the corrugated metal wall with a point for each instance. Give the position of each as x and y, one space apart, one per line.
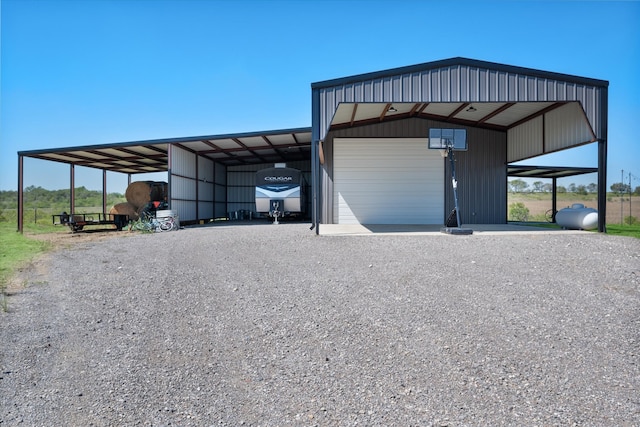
526 140
565 127
482 169
241 186
220 191
198 186
558 129
182 181
482 179
206 188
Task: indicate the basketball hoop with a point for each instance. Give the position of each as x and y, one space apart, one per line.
446 141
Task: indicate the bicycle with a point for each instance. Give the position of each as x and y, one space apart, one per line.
166 224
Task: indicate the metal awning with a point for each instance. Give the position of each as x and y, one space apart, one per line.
153 155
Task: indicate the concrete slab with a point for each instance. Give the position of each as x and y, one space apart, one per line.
432 229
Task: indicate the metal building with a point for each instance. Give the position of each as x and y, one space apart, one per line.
366 153
370 160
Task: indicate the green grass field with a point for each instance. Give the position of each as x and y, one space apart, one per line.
624 230
16 250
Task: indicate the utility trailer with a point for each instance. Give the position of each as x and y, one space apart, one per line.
77 222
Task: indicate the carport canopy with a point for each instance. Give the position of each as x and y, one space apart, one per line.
552 172
153 155
149 156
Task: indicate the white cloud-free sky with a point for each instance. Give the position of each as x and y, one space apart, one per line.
77 72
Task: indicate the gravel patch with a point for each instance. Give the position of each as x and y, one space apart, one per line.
269 325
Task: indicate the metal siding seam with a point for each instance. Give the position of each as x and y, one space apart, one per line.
396 89
338 95
424 86
377 90
464 83
511 88
572 91
551 89
452 86
474 84
543 95
522 88
532 89
494 87
484 85
502 86
358 91
460 88
387 89
349 95
445 85
597 113
407 87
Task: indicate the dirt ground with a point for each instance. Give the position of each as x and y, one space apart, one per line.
66 238
63 239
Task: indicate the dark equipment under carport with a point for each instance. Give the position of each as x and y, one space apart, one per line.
78 221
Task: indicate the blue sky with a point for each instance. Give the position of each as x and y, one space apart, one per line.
77 72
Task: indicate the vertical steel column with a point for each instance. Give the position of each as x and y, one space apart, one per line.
72 191
554 199
314 184
20 193
197 188
602 161
169 201
315 164
104 193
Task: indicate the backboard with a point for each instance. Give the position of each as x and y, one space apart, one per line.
442 139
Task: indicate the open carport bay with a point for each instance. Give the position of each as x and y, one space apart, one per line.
274 325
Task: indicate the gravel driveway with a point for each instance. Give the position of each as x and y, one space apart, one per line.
271 325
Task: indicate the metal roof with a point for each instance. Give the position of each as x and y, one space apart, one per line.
547 171
153 155
460 61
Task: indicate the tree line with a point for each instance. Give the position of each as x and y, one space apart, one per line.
40 198
521 186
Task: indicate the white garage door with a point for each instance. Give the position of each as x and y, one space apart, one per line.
387 181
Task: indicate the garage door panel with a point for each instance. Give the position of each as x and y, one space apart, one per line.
387 181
